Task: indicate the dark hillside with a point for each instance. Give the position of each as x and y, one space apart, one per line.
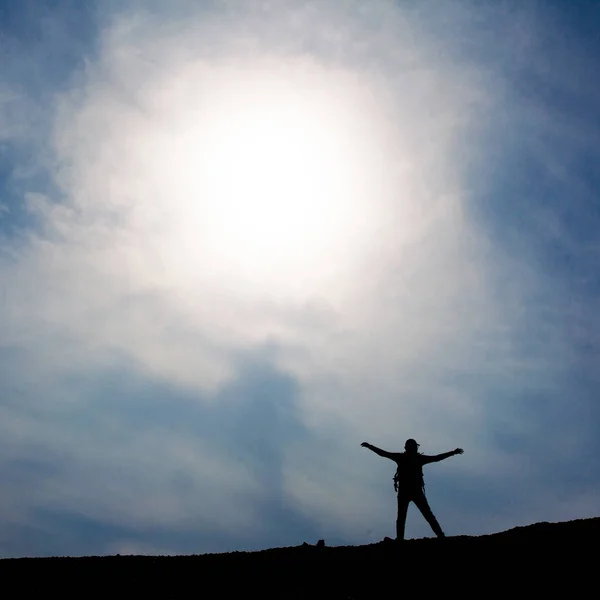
545 557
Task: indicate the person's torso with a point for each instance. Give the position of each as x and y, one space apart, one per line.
409 474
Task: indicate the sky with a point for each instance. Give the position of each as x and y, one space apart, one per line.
237 239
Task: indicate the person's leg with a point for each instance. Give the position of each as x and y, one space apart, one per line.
421 501
403 501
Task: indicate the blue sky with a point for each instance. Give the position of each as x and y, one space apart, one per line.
237 240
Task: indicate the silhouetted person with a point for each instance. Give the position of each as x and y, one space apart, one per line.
409 484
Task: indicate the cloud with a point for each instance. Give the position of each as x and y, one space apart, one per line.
131 108
167 390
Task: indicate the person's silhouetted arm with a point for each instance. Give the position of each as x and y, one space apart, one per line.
384 453
438 457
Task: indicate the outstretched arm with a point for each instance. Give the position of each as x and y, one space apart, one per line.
377 450
438 457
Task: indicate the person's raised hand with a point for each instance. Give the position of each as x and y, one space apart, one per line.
365 444
458 451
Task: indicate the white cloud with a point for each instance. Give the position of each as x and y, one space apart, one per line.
113 250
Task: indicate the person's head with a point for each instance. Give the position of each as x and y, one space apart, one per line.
411 446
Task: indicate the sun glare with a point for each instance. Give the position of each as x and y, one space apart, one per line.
271 178
274 181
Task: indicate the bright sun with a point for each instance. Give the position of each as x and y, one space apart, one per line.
270 178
